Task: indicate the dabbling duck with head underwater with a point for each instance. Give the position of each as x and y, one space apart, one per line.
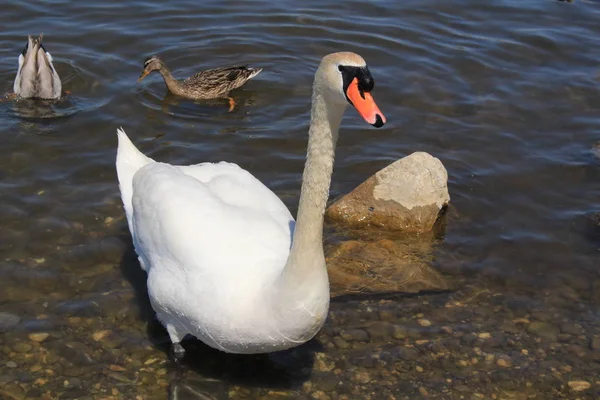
36 76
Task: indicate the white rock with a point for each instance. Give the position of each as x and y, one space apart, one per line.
406 195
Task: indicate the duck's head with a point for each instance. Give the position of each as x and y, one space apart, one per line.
345 78
152 63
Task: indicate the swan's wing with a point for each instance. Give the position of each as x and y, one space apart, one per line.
207 220
237 187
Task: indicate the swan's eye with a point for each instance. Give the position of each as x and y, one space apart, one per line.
341 68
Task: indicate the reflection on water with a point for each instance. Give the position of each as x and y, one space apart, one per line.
40 109
505 93
160 99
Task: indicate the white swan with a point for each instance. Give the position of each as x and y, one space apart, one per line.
217 243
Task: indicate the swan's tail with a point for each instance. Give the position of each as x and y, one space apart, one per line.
129 161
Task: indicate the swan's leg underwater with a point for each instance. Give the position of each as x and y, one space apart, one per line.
177 350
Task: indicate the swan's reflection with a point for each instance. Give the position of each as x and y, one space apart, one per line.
182 388
207 373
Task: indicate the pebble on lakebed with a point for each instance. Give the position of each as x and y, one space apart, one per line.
448 345
38 337
407 195
578 386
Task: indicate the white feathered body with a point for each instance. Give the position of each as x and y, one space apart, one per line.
213 240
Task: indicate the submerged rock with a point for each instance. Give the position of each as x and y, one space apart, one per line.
77 353
12 391
8 321
544 330
407 195
384 266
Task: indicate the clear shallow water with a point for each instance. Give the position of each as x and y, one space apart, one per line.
505 93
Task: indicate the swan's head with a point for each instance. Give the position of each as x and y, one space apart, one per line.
345 78
151 64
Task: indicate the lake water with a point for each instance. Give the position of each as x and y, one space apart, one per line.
505 93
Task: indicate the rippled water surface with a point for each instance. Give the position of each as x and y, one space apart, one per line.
505 93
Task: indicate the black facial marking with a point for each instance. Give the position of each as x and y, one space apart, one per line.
366 83
25 49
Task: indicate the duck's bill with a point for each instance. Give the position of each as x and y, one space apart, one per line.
365 105
143 75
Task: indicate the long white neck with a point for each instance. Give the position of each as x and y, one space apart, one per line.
316 179
303 287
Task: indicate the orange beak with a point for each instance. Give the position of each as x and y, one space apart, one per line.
365 105
143 75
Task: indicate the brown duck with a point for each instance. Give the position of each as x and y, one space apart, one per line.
209 84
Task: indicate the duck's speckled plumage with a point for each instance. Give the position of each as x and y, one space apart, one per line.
219 82
36 76
209 84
